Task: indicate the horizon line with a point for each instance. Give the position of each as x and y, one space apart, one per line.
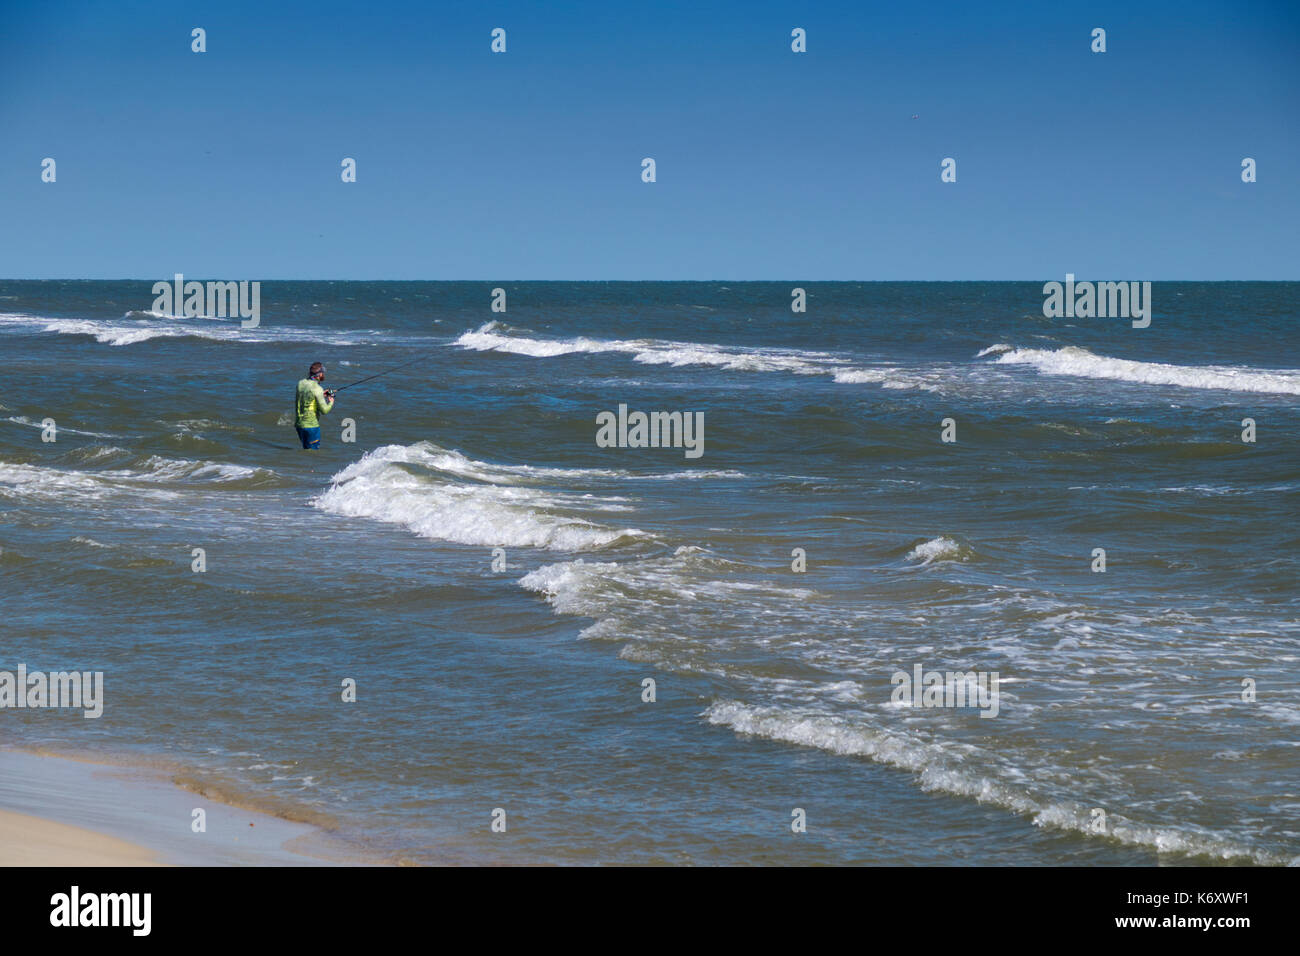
1077 277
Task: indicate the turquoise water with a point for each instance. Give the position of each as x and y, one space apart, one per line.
480 688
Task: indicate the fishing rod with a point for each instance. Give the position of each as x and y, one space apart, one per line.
334 391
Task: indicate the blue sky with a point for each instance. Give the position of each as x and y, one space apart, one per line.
771 164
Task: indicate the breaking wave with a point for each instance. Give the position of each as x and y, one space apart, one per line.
493 337
1079 362
441 494
963 772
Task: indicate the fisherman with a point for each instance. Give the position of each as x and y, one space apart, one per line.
309 400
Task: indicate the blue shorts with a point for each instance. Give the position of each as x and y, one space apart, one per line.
310 437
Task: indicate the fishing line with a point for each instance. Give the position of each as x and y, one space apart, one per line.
377 375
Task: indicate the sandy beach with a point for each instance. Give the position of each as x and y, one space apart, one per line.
31 841
56 811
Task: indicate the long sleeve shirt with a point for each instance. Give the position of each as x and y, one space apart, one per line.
310 399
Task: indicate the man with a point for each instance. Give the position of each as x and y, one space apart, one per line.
309 400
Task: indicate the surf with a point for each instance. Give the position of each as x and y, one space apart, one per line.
1081 363
443 495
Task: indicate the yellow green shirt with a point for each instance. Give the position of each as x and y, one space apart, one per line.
309 400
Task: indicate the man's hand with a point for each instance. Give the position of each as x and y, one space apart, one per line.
329 393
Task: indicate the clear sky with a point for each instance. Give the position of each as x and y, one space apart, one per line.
770 164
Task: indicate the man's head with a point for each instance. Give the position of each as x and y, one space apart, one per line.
317 372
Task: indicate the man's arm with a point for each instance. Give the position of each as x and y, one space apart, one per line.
322 400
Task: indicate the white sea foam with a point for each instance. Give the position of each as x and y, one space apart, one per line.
447 460
628 600
152 314
861 376
651 351
160 469
488 339
111 334
429 455
936 549
94 452
38 482
1078 362
492 337
571 586
693 475
143 326
157 468
419 487
43 482
967 772
204 424
126 331
24 420
693 612
678 354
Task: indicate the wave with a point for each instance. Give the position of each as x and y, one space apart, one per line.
628 599
140 474
422 488
131 466
151 314
448 460
142 326
1068 361
699 613
493 337
490 337
157 468
861 376
24 420
939 549
191 425
39 482
109 332
1079 362
692 475
967 772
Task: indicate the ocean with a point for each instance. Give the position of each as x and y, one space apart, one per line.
905 479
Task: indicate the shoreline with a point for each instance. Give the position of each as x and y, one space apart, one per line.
35 841
65 811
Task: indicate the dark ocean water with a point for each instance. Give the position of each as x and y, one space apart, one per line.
1121 734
